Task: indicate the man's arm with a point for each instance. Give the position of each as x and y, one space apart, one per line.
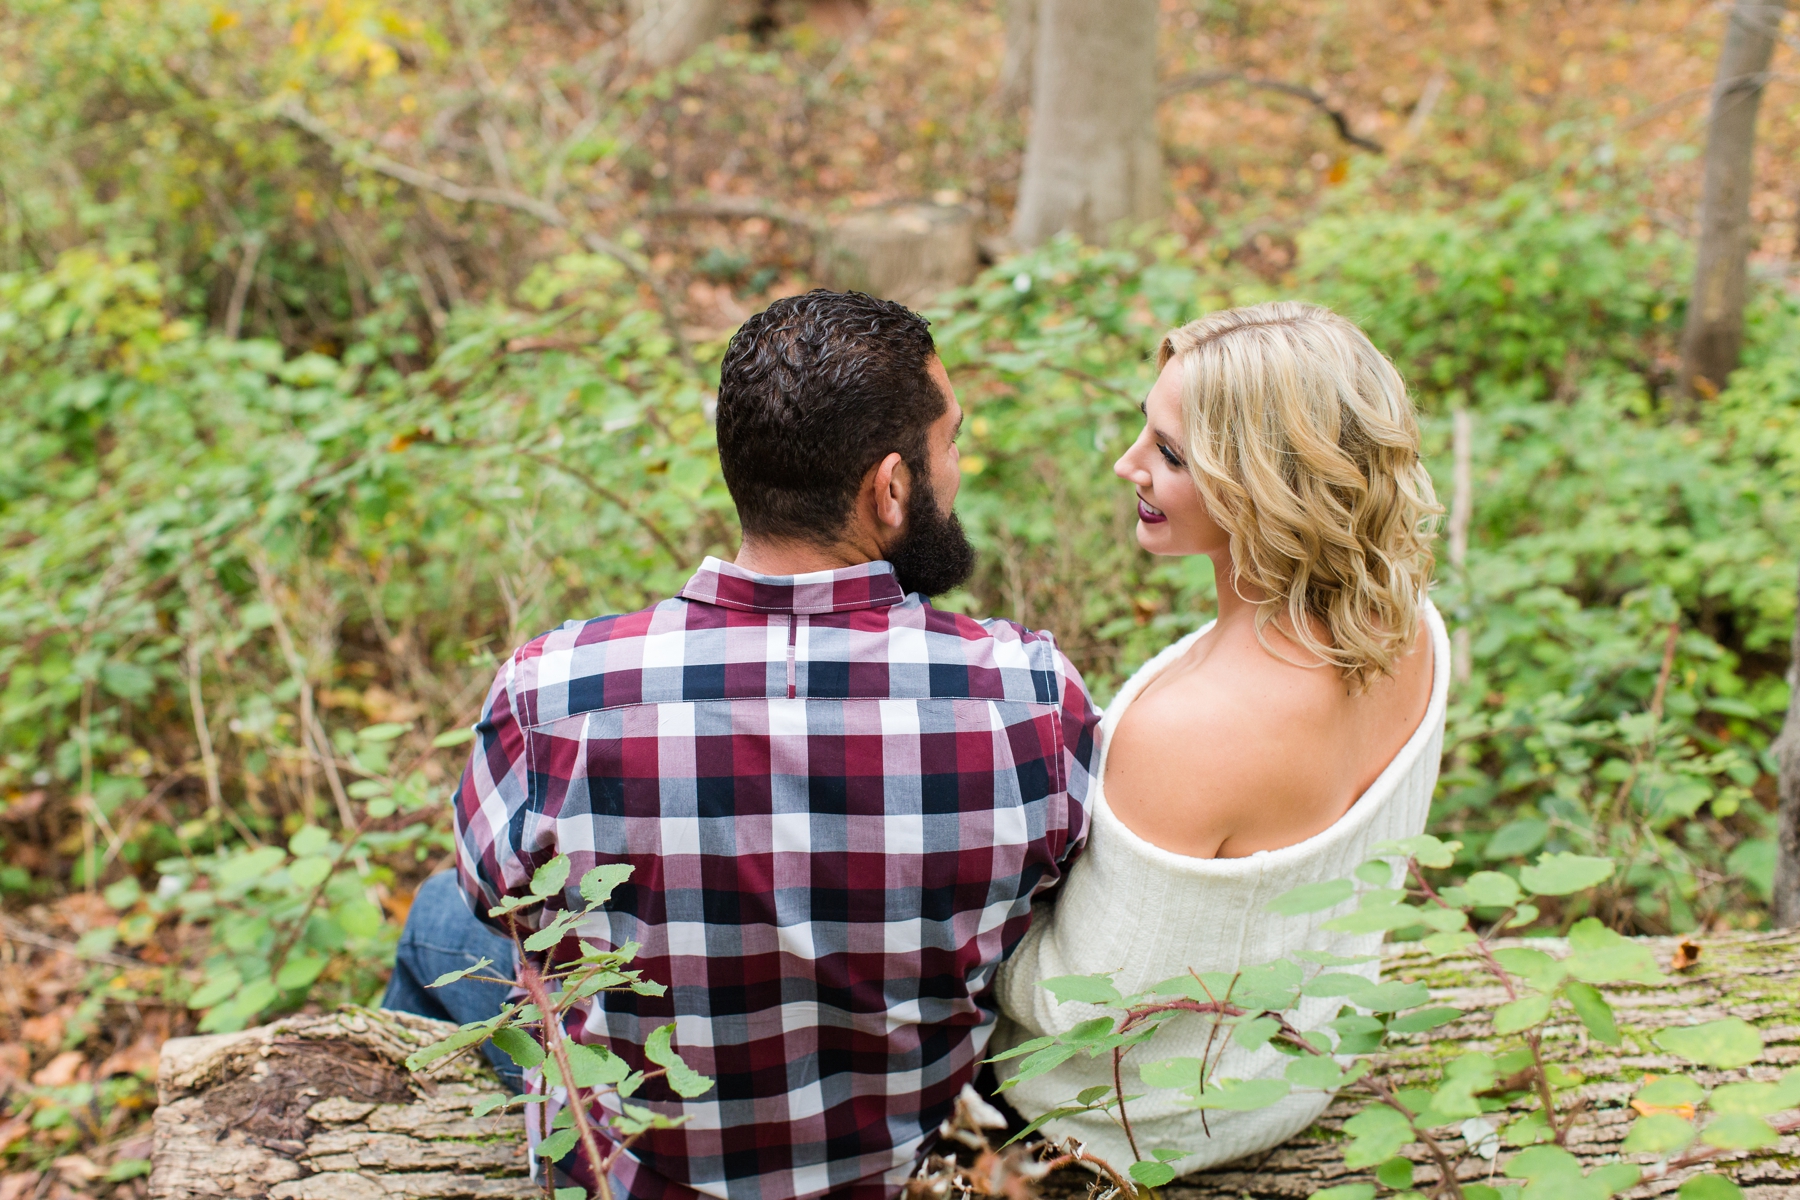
1080 748
494 789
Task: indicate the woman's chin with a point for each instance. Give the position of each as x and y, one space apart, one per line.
1153 538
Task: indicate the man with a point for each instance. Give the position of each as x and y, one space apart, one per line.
838 800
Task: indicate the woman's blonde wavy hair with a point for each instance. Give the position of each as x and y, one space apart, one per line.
1305 445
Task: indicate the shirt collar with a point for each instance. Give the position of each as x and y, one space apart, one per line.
865 585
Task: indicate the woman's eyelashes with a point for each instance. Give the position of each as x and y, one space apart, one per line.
1170 457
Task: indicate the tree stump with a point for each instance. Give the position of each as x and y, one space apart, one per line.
1754 976
322 1108
906 252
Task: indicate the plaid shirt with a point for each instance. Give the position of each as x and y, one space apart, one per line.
840 802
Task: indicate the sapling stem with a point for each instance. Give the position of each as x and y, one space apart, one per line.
533 983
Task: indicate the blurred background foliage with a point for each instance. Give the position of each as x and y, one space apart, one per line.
293 450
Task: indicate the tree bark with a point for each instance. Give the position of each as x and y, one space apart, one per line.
321 1108
1755 976
1786 900
1021 17
1714 334
1093 158
663 32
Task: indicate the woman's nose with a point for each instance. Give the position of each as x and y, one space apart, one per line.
1127 469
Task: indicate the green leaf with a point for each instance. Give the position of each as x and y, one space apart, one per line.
1565 874
468 1035
1023 1048
300 970
1449 943
1465 1076
569 1193
1533 966
1351 1191
449 977
548 879
1516 839
1396 1173
1083 989
1444 920
1521 1014
1241 1095
1549 1164
453 737
309 872
1423 1019
519 1046
1429 851
1336 983
489 1103
1093 1095
1312 897
1729 1042
1599 955
368 789
216 988
1375 920
1526 914
1616 1177
1151 1174
1255 1033
1040 1061
1086 1033
593 1066
387 731
1321 1071
1594 1011
1750 1099
1739 1131
1669 1091
1377 1133
1392 996
554 932
598 884
1530 1129
1709 1187
686 1081
1491 889
1658 1133
557 1145
1377 872
1171 1073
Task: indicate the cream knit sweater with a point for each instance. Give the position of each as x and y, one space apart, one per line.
1148 914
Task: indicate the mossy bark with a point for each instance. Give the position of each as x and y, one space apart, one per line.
322 1108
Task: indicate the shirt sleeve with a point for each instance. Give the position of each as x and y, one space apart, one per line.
1080 741
493 793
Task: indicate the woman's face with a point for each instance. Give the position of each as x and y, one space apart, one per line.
1172 516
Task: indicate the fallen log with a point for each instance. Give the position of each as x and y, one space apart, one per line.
322 1108
1755 976
318 1108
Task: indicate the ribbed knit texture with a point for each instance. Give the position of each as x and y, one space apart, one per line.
1147 914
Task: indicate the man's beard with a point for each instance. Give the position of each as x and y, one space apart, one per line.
933 555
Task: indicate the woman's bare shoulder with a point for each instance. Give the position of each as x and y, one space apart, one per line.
1225 751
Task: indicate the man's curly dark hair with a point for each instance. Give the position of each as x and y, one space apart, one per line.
814 391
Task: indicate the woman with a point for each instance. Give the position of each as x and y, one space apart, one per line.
1274 747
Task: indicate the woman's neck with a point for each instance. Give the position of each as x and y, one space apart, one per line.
1237 601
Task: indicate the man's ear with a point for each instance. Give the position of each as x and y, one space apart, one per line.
888 488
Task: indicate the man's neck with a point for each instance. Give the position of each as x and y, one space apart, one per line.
780 556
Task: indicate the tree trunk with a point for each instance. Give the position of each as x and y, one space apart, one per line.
1755 976
1093 158
1786 901
912 253
321 1108
663 32
1715 317
1014 91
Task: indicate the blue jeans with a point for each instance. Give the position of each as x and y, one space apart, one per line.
442 934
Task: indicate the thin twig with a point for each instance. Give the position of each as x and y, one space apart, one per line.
297 115
15 932
1205 79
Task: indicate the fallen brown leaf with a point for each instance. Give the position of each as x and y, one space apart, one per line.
77 1169
18 1185
11 1131
139 1058
62 1070
46 1030
15 1062
1687 953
